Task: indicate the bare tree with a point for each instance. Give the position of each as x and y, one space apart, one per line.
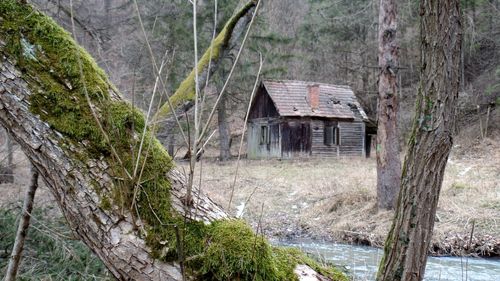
387 149
407 244
74 127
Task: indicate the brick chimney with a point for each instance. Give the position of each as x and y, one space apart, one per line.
313 91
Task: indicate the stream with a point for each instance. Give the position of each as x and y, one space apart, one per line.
362 262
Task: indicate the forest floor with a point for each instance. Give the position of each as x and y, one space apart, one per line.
335 199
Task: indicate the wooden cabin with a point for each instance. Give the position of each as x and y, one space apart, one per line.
290 119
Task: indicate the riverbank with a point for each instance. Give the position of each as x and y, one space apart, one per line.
335 200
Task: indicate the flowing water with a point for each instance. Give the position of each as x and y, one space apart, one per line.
362 262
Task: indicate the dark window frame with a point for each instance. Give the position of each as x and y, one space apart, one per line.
265 137
331 134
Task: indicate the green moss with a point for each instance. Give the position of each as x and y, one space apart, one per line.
288 258
230 250
186 91
105 203
234 252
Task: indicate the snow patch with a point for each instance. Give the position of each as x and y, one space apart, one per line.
240 209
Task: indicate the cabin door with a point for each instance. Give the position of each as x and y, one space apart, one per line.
296 139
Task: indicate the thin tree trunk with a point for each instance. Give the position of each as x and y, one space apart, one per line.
22 229
407 244
388 162
487 121
10 152
171 144
7 169
224 133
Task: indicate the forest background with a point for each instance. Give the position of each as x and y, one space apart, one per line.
310 40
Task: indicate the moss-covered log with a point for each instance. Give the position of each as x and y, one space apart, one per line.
83 139
226 41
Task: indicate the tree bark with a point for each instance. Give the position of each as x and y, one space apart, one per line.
387 149
407 244
224 133
22 229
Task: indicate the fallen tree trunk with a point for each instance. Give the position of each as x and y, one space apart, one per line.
83 139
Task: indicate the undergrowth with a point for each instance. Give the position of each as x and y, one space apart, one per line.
50 251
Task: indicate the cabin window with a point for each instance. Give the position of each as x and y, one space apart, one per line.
264 135
331 135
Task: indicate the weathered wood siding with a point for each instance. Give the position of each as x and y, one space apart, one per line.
319 149
263 113
352 138
257 149
262 106
295 138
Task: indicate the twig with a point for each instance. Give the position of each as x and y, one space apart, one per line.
487 121
243 134
205 144
209 62
194 145
22 229
87 97
468 248
259 227
149 114
156 70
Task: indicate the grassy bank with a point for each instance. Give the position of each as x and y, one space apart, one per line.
336 199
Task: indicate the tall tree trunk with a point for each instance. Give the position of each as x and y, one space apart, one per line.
407 244
224 133
388 162
80 135
22 229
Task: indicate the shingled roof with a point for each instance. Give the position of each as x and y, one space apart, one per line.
292 98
